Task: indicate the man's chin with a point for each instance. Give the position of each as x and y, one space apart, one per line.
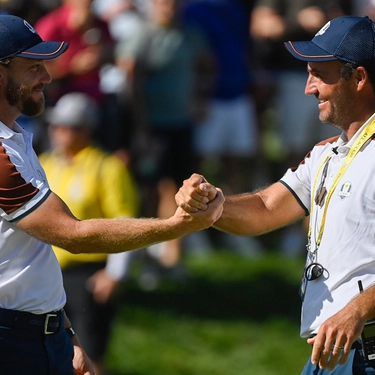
33 108
32 112
324 119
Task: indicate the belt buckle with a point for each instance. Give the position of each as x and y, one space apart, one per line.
48 316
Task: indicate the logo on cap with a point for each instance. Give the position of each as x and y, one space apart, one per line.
323 29
29 27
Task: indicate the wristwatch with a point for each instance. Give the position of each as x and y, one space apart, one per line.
70 332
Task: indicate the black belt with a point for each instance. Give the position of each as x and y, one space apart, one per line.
45 323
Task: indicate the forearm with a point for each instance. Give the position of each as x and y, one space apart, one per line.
118 235
240 215
259 212
111 235
363 305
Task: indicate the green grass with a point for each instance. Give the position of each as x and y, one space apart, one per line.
237 316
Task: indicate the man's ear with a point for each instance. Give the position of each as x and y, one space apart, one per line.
361 77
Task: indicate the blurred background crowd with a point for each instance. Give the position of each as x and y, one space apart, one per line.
151 91
172 87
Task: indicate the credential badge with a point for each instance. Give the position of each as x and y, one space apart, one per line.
345 190
323 29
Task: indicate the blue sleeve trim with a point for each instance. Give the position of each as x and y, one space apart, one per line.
307 213
33 208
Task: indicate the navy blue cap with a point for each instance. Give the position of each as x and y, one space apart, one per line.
347 38
19 38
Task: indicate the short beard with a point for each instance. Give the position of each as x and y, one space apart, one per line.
340 114
19 97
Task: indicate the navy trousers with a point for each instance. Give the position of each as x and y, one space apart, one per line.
355 365
29 352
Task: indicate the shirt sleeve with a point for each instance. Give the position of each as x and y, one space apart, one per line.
299 184
20 190
118 265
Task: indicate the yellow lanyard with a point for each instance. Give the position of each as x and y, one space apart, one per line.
365 135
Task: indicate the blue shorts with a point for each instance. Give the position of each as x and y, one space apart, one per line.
24 351
355 365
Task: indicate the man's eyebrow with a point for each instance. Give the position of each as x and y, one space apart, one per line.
312 70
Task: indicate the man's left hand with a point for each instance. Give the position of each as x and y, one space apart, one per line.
334 340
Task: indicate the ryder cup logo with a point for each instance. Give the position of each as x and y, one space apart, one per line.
29 27
345 190
323 29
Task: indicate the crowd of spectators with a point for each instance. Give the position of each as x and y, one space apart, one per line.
190 85
178 86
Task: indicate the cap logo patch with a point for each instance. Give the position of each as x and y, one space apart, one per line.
29 27
323 29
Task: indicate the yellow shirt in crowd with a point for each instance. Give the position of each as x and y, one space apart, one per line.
93 184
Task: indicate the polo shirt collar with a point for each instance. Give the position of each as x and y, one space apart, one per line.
7 133
18 135
343 143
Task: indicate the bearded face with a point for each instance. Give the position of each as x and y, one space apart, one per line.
340 107
23 97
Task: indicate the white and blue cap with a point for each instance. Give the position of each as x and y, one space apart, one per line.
346 38
74 109
19 38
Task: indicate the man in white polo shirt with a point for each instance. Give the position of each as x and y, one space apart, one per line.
334 185
34 331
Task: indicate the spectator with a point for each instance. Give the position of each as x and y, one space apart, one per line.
91 46
364 8
122 16
33 10
94 184
124 19
161 60
227 139
230 119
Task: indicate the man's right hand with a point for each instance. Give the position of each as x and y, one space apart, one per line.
195 194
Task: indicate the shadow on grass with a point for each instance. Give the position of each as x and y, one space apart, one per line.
257 298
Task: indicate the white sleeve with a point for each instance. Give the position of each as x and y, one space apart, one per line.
301 191
118 265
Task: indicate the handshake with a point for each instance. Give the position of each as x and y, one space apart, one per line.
200 204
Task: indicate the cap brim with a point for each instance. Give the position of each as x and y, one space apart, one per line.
45 50
308 51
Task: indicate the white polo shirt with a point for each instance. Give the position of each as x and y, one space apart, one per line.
347 249
30 275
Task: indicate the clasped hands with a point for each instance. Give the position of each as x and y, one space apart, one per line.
196 193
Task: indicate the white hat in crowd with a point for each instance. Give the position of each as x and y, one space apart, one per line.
73 110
